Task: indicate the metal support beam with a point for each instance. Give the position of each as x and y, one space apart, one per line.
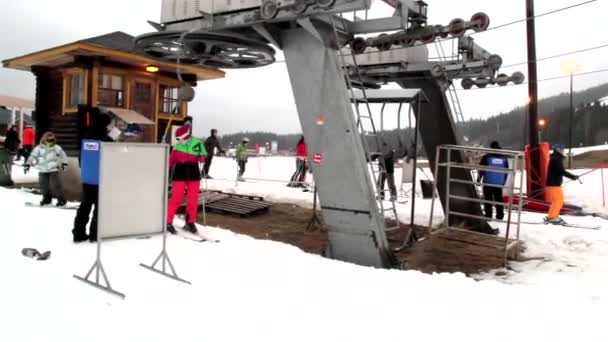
356 230
437 128
537 187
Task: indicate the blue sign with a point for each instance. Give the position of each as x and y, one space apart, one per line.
89 162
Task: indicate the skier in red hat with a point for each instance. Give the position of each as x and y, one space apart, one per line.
186 177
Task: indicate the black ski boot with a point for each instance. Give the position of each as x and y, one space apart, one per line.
61 203
191 227
171 229
80 238
46 201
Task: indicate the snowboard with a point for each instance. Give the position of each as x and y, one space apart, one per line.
37 205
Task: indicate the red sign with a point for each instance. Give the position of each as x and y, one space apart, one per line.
321 120
317 158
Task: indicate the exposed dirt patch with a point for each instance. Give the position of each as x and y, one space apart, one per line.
283 222
288 224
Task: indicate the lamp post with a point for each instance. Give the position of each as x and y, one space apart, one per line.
542 123
570 67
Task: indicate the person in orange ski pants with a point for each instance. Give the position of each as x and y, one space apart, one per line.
554 190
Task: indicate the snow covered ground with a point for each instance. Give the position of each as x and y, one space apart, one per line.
245 289
581 150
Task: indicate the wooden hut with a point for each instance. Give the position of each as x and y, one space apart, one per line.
77 80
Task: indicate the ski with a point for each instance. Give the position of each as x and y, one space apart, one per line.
36 205
567 225
193 237
581 226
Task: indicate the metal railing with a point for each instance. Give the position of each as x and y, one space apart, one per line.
516 161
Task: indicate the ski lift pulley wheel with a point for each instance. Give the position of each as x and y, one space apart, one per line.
457 27
300 6
385 44
214 50
358 46
467 83
325 3
269 9
480 22
518 77
502 79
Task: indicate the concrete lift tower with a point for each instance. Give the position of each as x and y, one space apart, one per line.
317 42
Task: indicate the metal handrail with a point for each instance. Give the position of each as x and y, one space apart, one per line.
515 168
477 200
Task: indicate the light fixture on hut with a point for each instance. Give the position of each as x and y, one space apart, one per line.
152 68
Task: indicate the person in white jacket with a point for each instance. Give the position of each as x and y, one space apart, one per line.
49 158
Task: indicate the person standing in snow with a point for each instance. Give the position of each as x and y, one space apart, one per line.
299 176
49 158
493 181
11 141
387 171
98 131
554 190
29 138
186 177
241 158
211 143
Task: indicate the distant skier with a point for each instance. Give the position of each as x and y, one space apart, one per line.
387 169
186 177
29 139
493 181
211 143
554 190
49 158
12 141
97 132
241 158
299 176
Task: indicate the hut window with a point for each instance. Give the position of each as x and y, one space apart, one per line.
169 100
74 89
110 90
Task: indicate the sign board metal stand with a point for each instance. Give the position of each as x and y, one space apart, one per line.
165 260
118 217
163 257
98 268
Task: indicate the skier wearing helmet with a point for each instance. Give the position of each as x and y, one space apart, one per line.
185 176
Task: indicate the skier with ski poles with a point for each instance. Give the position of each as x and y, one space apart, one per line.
241 158
211 143
299 176
554 190
49 158
186 177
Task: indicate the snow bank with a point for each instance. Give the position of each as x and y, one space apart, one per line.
244 289
250 290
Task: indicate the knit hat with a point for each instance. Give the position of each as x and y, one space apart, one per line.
558 147
183 133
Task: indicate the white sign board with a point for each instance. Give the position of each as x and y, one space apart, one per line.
132 189
408 172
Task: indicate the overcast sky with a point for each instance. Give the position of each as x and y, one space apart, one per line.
261 99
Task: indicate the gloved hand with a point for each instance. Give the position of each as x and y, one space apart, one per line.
64 166
26 168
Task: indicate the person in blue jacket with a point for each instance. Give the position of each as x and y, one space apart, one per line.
98 132
493 181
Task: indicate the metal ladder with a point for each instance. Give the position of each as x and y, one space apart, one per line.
378 168
453 100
